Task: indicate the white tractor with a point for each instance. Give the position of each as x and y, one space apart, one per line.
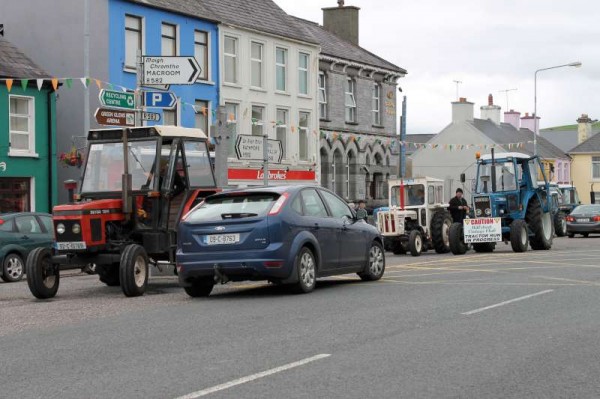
417 218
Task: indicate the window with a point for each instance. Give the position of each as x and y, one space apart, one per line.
303 62
28 225
21 125
14 195
280 69
201 52
133 40
303 129
595 167
339 209
350 101
224 206
256 62
322 96
201 118
312 203
199 169
282 129
257 120
232 114
47 223
230 59
169 39
376 104
170 117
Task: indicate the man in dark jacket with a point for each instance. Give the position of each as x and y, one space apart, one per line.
458 207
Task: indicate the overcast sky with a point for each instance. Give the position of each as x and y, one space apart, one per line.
488 45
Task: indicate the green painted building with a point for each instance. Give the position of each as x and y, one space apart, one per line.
28 161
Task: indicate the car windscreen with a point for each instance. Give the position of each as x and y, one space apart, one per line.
233 206
586 209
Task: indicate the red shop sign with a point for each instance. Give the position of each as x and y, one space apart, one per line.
274 175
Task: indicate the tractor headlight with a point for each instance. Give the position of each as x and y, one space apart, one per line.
501 211
477 212
488 211
76 229
60 228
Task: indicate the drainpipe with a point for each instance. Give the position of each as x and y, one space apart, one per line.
50 146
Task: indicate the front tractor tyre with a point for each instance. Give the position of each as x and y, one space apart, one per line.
456 239
541 225
440 231
133 270
560 224
519 236
415 243
43 277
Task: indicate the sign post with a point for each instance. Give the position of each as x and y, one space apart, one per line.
265 145
170 70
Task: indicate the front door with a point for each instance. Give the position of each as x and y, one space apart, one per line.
30 233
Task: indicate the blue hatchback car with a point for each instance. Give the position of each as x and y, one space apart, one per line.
285 234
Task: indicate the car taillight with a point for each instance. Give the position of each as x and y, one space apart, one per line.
1 222
596 218
278 204
570 219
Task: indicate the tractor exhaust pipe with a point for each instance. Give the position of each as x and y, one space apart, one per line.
493 172
126 178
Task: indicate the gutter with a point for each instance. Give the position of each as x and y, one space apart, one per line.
50 145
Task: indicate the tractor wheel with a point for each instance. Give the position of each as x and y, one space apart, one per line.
43 277
440 230
415 243
571 235
456 239
560 224
484 247
109 274
519 236
133 270
540 224
398 248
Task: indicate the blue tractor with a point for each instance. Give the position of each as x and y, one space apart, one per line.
509 205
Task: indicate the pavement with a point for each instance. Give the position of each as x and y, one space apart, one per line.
499 325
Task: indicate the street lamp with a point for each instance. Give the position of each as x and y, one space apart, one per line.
576 64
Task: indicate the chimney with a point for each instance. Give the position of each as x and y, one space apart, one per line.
342 21
584 128
527 122
514 118
462 110
491 111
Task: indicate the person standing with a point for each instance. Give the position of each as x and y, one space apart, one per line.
361 212
458 207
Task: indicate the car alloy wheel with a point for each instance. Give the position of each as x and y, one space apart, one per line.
307 269
13 268
376 262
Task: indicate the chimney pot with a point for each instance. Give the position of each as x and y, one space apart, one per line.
462 100
490 100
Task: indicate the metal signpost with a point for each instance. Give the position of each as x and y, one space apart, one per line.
117 99
170 70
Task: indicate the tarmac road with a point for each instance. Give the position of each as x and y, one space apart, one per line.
500 325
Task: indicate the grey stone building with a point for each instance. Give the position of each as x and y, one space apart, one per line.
359 148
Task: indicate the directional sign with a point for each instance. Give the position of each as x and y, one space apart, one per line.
250 148
151 116
114 117
170 70
117 99
159 99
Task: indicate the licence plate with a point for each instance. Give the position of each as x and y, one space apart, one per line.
61 246
220 239
584 220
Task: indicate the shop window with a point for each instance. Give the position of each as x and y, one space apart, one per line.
15 195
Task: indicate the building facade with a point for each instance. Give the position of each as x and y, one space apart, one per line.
28 163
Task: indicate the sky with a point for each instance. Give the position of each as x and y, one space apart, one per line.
489 46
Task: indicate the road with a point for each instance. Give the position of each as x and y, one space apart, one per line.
498 325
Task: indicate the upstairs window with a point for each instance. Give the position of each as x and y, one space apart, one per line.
21 125
350 101
376 104
281 56
256 64
303 62
133 40
595 168
230 60
168 39
201 52
322 96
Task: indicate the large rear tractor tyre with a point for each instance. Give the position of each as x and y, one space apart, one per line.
306 266
540 224
484 247
375 266
456 239
519 236
440 231
200 288
43 278
109 274
560 224
415 243
133 270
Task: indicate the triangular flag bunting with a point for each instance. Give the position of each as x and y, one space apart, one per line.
24 83
40 83
69 82
9 83
99 84
55 83
84 82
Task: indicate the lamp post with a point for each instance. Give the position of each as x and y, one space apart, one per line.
576 64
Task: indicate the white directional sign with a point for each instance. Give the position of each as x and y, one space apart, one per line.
170 70
151 116
250 148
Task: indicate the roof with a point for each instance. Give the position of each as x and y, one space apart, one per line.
590 145
335 46
15 64
192 8
563 139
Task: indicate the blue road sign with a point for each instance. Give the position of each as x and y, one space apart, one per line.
159 99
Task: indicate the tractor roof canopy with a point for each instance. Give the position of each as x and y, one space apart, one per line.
506 155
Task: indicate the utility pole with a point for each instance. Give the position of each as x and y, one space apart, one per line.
457 83
86 65
506 92
222 143
403 139
138 88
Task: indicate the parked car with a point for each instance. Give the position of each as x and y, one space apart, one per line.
19 234
287 235
584 220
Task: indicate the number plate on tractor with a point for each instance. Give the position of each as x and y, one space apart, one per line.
220 239
62 246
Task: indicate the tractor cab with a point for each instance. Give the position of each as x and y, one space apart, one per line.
570 198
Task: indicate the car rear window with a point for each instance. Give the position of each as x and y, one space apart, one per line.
586 209
233 206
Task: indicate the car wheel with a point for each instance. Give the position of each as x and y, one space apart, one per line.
133 270
415 243
585 235
375 265
200 288
570 235
306 267
13 268
43 277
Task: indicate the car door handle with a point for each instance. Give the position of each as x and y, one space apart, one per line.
316 226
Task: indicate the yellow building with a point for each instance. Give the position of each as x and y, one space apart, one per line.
585 168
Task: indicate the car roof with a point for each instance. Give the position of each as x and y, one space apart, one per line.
13 214
269 189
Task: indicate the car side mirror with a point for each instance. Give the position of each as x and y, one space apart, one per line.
463 178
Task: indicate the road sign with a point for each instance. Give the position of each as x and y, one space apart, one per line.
159 99
117 99
114 117
151 116
170 70
250 148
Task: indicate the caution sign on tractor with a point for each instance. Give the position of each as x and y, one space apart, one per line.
482 230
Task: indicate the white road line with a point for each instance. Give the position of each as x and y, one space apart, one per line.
506 302
253 377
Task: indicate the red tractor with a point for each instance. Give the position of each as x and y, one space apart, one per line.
135 186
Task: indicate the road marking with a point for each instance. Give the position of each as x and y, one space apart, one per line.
253 377
505 302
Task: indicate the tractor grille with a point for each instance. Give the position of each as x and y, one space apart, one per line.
390 223
483 207
68 235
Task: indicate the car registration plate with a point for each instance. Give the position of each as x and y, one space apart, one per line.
583 220
220 239
62 246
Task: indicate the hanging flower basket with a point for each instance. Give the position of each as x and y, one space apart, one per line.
71 158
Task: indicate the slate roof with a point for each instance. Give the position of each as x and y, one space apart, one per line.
590 145
506 133
192 8
563 139
15 64
337 47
